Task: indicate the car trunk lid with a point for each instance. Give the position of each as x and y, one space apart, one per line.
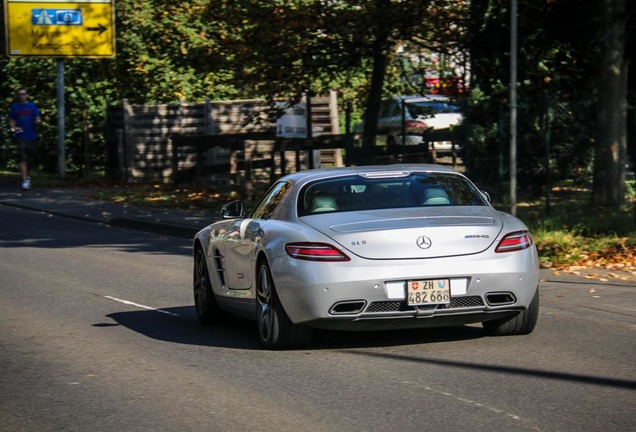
411 233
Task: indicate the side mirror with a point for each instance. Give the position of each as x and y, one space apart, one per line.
233 210
486 195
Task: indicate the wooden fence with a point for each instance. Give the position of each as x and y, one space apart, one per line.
264 157
141 148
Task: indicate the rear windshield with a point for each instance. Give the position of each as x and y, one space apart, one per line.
354 193
427 108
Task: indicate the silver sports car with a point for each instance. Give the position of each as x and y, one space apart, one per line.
367 248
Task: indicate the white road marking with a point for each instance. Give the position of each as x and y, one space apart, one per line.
478 404
140 306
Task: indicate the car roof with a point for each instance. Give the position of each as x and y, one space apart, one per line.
426 98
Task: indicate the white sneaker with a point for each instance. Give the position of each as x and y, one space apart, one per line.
26 185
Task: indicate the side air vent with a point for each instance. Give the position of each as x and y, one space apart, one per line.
219 263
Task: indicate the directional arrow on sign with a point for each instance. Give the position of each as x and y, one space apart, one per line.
100 28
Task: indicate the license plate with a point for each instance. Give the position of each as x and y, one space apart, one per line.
425 292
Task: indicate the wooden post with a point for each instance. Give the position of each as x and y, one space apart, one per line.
248 148
333 112
175 160
233 165
272 166
128 141
208 120
298 160
283 161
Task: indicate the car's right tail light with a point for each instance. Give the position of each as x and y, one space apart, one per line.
315 252
415 124
514 241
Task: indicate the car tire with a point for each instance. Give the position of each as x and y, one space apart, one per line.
520 324
205 304
275 329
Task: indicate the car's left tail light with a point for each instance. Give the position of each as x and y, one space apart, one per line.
416 124
514 241
315 252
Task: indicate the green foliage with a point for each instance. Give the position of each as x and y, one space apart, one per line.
571 210
575 232
558 77
280 49
220 50
562 248
170 51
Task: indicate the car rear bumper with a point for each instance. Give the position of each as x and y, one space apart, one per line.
363 295
366 323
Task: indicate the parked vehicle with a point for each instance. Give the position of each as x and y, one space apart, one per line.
429 119
362 248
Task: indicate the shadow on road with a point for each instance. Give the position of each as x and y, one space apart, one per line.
31 229
179 325
506 370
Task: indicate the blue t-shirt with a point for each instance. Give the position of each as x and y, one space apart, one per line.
24 115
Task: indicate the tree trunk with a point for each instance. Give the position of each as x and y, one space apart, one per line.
381 55
611 144
380 61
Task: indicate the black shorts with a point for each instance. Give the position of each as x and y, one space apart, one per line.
26 150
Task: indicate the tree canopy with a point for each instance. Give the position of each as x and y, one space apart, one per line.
364 49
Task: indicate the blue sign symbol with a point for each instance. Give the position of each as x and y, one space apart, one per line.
69 17
43 16
56 17
440 284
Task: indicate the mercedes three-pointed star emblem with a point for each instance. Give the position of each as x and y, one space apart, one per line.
423 242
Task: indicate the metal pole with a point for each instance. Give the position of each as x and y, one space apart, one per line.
309 128
348 134
513 107
61 150
501 170
403 129
548 188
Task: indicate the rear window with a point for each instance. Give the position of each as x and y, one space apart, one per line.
355 193
431 108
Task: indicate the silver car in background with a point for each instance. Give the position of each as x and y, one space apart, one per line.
429 119
367 248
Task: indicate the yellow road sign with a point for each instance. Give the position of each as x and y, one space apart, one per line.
71 28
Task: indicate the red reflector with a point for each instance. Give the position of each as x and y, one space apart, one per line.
315 252
515 241
415 124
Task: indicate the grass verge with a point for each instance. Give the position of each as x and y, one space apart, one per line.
575 233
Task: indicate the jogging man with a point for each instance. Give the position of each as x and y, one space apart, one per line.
24 117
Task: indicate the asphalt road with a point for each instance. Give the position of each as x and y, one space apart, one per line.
97 333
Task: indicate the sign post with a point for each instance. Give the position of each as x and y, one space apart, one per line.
61 115
60 29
